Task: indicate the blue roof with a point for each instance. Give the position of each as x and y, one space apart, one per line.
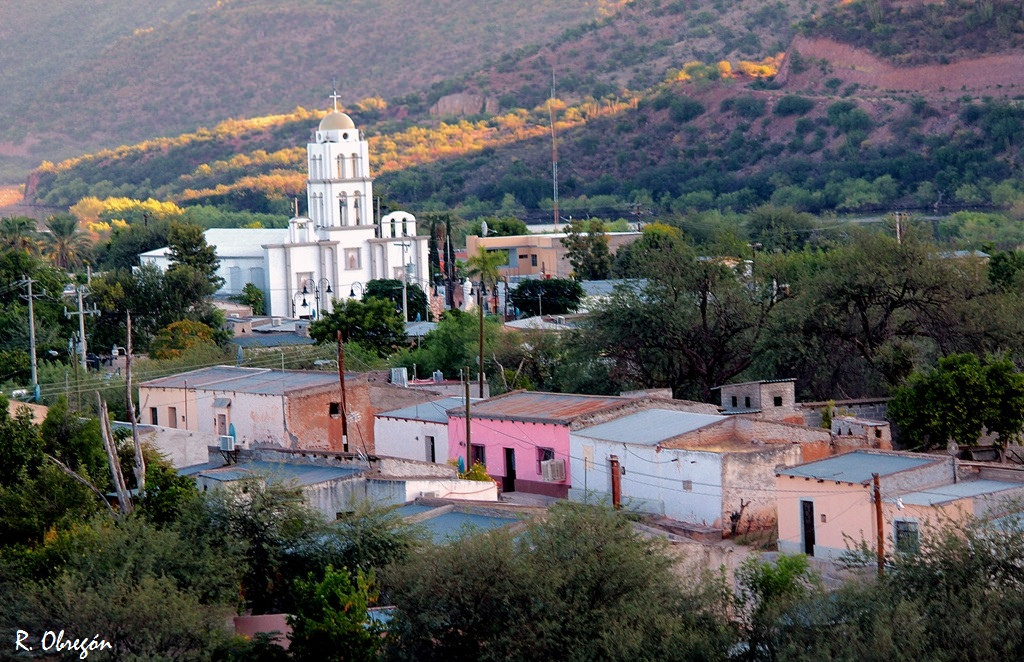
435 411
954 491
454 525
292 473
649 427
857 467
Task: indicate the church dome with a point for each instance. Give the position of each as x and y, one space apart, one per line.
336 121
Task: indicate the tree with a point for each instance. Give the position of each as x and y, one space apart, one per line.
177 337
483 268
331 619
581 585
499 227
587 250
67 246
391 289
452 346
188 248
19 233
251 296
374 324
958 400
554 296
693 325
779 228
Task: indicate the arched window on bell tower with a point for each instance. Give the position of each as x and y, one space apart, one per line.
355 166
356 208
342 209
341 166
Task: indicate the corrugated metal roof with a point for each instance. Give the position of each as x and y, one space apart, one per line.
857 466
276 339
649 427
538 407
435 411
291 473
955 491
261 381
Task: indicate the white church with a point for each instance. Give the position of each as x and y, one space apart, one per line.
334 251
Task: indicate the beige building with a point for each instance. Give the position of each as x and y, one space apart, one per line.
539 254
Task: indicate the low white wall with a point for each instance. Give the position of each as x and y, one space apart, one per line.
182 448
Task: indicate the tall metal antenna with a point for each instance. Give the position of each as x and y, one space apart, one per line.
554 150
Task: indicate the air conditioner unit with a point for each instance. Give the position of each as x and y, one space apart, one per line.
553 471
227 443
428 495
400 376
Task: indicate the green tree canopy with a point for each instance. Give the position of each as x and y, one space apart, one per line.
188 248
958 400
391 289
587 250
580 585
67 245
373 323
179 336
331 621
556 296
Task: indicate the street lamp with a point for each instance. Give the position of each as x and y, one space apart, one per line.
304 304
322 288
352 290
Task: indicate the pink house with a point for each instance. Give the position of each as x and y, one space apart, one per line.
827 506
522 437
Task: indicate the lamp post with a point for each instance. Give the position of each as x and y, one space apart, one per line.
304 304
321 287
352 290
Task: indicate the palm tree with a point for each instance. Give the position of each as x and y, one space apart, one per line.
483 268
66 244
19 233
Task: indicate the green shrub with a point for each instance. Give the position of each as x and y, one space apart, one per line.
792 104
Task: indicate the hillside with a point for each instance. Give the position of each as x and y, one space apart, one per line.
116 71
726 126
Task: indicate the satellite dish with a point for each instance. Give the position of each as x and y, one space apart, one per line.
952 449
483 228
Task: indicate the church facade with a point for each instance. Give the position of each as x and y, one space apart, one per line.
333 251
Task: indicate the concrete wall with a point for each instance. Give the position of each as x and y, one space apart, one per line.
871 408
681 484
847 509
400 437
182 448
748 485
870 433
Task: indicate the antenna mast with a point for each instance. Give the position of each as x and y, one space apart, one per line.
554 150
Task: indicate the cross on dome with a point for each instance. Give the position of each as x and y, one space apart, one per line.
335 96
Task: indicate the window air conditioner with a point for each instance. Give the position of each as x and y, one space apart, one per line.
227 443
553 471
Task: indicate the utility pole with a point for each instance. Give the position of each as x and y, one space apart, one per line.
405 283
480 306
140 461
81 312
879 525
616 472
25 280
342 405
469 452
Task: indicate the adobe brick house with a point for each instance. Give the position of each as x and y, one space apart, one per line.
260 407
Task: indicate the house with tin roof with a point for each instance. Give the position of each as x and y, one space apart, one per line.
826 506
262 407
416 432
522 437
713 471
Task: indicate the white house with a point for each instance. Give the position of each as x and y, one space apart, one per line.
334 250
416 432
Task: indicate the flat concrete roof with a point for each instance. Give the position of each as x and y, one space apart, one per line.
955 491
857 466
234 242
260 381
649 427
